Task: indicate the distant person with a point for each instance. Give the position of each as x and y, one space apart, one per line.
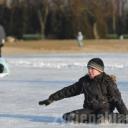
4 70
100 91
2 38
1 68
80 39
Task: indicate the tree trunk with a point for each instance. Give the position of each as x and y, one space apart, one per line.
95 31
41 23
114 16
42 19
114 24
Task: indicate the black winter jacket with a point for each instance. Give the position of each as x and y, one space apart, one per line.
100 93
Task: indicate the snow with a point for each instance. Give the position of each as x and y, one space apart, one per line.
34 77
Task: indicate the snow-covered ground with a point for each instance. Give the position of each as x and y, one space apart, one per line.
35 77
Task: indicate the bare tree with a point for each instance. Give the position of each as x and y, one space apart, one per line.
77 8
120 17
42 12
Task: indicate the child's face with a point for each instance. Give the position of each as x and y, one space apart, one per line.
92 72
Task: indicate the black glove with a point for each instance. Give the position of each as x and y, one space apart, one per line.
45 102
1 45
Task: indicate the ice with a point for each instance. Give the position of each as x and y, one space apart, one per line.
35 77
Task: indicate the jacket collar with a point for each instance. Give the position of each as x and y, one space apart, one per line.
99 77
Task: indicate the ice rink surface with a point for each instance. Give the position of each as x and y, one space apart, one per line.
34 77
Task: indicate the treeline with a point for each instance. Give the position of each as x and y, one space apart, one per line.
63 19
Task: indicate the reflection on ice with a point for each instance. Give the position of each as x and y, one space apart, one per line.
63 61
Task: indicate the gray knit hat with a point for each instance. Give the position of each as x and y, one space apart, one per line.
96 63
